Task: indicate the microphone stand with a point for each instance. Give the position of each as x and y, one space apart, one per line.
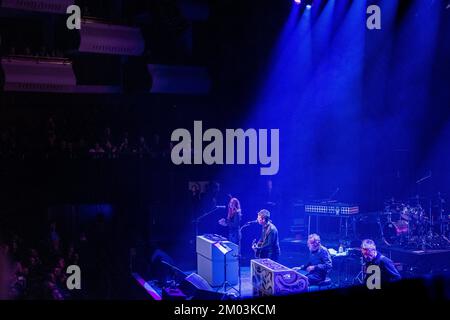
441 213
240 255
419 184
197 220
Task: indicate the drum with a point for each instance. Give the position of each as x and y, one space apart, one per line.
417 213
394 210
394 231
406 213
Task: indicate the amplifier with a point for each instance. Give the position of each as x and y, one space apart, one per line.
217 259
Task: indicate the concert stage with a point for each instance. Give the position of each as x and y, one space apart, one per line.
346 272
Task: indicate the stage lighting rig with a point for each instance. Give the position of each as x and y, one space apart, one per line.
307 3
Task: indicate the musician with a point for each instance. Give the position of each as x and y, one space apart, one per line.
268 246
233 220
372 257
319 263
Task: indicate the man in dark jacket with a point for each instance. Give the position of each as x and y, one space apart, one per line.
268 246
371 256
319 263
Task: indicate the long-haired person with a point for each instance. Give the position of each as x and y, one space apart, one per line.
233 220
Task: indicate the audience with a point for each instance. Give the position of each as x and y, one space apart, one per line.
5 273
29 273
19 50
61 143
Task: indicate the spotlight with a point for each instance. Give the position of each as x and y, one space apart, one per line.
307 3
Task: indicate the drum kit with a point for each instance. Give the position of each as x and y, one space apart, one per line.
409 225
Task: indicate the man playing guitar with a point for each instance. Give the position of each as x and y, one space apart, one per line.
268 246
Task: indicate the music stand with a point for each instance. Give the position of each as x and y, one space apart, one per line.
359 278
224 249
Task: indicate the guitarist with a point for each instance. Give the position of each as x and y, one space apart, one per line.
268 246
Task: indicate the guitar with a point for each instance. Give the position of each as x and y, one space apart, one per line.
256 248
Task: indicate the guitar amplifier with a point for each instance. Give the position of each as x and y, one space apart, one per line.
217 259
270 278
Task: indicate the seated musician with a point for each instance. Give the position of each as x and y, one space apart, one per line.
319 263
268 246
371 256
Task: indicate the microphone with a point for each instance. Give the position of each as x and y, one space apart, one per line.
221 207
251 222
